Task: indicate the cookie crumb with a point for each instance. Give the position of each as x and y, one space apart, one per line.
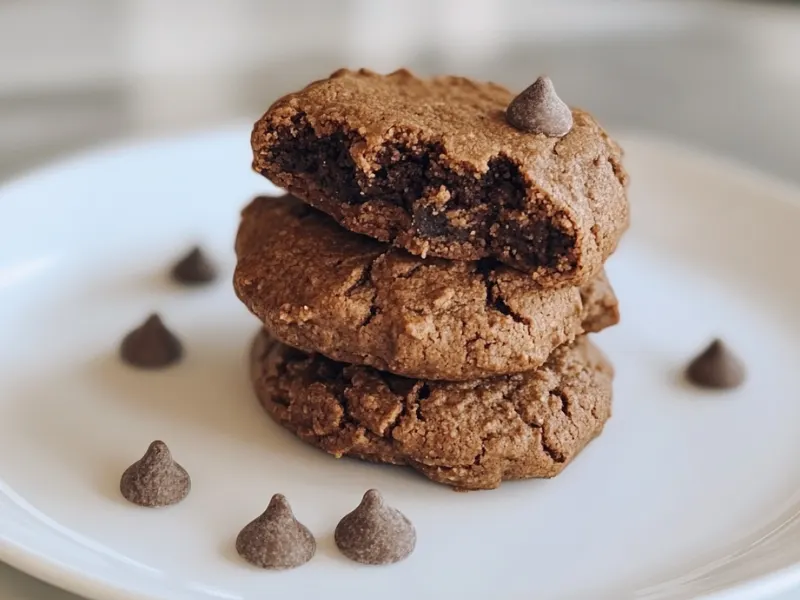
194 268
717 367
538 109
276 540
151 345
155 479
374 533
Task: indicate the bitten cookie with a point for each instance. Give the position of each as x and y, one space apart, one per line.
433 166
323 289
471 435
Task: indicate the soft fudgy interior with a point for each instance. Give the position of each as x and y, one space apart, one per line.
407 175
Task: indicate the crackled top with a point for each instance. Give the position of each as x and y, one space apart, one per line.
470 435
363 302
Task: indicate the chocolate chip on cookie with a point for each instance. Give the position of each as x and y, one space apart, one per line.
151 345
716 367
538 109
374 533
432 166
276 540
195 268
155 479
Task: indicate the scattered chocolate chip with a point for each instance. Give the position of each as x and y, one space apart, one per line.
276 540
151 345
194 269
538 109
716 367
374 533
155 479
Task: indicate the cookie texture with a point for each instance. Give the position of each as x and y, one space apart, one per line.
323 289
433 166
469 435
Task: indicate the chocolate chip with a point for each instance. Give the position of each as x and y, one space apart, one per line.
155 479
716 367
151 345
194 269
276 540
374 533
538 109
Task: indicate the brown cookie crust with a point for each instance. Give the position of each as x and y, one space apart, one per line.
432 166
323 289
469 435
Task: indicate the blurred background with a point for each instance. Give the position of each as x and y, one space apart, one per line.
723 75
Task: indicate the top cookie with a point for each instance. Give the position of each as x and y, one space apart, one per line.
433 166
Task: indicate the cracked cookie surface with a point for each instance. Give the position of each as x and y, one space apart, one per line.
432 166
469 435
323 289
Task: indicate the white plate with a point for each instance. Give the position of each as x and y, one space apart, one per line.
686 493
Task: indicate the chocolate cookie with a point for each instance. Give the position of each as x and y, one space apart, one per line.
433 166
471 435
321 288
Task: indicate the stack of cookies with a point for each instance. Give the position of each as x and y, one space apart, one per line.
427 287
